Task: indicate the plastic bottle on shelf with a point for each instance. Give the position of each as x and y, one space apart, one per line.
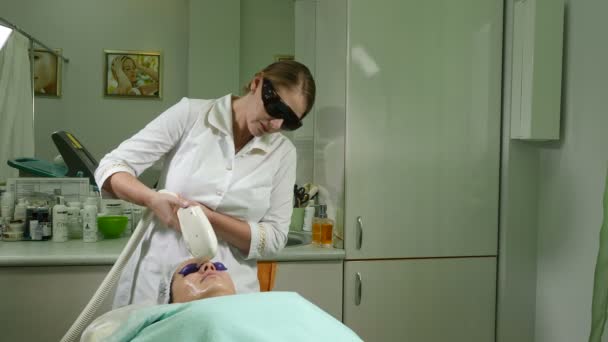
89 223
309 215
20 209
45 223
60 222
7 204
74 225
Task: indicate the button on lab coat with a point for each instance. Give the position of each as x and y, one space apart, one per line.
195 138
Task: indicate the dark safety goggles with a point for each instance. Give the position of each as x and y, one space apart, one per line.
278 109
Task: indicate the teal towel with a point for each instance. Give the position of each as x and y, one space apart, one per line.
267 316
599 306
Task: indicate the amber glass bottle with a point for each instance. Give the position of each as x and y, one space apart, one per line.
322 228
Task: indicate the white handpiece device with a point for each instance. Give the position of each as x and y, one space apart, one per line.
198 233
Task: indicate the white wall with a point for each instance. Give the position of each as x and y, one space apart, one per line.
214 48
305 52
231 40
572 176
551 195
267 29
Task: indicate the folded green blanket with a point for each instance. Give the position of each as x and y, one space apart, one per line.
267 316
599 308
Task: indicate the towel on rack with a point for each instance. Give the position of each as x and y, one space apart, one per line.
16 111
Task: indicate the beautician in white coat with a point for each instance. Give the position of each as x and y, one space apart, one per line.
228 156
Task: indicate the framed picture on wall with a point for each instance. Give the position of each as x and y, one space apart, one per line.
47 73
278 58
132 74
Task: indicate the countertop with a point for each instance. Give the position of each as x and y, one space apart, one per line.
105 252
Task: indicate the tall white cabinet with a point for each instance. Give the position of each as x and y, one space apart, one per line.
423 128
421 112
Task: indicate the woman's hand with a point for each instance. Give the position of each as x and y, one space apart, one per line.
165 207
208 212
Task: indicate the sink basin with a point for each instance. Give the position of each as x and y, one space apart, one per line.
298 239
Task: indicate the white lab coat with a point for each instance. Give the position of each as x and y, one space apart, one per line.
255 185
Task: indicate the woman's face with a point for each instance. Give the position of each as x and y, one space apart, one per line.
45 65
190 284
259 122
128 67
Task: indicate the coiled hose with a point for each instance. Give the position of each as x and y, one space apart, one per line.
86 316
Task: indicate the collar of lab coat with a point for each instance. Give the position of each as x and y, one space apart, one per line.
220 117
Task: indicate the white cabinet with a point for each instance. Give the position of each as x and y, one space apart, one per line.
41 303
318 281
423 128
536 72
426 300
422 146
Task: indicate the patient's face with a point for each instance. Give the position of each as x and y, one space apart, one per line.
197 279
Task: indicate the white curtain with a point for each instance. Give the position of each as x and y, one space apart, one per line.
16 118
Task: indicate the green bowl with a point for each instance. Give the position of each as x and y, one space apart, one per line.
112 226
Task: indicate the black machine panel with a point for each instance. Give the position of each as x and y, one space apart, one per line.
76 157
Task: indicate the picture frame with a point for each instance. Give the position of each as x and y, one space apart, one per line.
278 58
132 74
47 73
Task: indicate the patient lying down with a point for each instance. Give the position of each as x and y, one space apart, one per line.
195 279
197 302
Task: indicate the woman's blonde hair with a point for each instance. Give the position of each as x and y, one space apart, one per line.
290 75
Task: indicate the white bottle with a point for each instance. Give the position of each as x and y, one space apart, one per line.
20 209
60 223
5 211
89 223
92 200
35 231
309 214
7 204
8 198
74 221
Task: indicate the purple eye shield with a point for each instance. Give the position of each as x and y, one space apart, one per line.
191 268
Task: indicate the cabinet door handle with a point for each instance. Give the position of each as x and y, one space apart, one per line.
359 232
358 287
